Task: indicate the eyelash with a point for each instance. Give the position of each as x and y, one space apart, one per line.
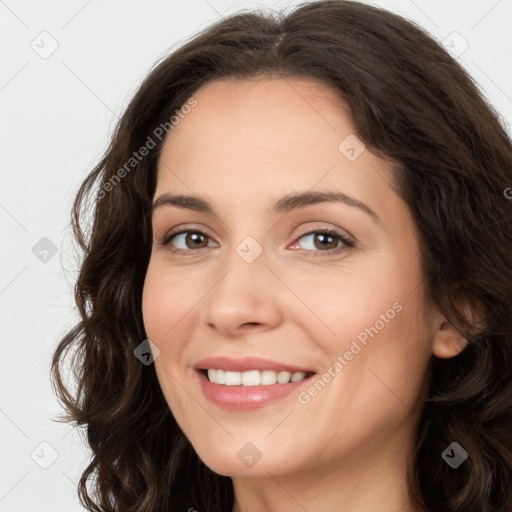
348 244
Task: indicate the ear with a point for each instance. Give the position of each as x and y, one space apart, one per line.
448 342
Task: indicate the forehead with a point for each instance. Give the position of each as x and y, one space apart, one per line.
264 135
253 110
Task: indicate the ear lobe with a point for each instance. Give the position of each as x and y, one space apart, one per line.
447 341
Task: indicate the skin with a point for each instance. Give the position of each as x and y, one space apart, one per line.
246 144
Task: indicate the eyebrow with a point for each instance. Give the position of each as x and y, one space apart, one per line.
285 204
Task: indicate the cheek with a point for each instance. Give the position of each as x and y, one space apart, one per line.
153 305
165 300
372 314
385 352
163 305
342 304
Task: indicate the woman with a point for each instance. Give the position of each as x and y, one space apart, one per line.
297 290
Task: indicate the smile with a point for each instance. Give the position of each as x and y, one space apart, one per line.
238 397
254 377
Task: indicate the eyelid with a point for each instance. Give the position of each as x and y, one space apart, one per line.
304 231
323 227
186 227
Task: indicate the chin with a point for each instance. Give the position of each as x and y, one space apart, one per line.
244 459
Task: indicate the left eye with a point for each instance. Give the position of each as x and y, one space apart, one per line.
325 241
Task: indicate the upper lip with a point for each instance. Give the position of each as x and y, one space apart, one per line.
247 363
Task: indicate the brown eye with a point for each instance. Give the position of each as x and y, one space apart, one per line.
193 239
186 241
325 241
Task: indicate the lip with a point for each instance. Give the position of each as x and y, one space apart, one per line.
246 398
246 364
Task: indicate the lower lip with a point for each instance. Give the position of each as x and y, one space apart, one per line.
246 398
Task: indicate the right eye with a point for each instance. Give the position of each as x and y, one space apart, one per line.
185 237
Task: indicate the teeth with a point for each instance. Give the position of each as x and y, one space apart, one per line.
253 377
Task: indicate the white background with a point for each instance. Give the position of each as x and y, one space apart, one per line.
57 115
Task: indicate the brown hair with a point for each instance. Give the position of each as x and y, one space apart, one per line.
411 103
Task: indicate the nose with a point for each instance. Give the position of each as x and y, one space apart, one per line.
245 296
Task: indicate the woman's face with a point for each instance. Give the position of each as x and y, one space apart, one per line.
264 280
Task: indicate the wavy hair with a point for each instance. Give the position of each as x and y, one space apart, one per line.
411 103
